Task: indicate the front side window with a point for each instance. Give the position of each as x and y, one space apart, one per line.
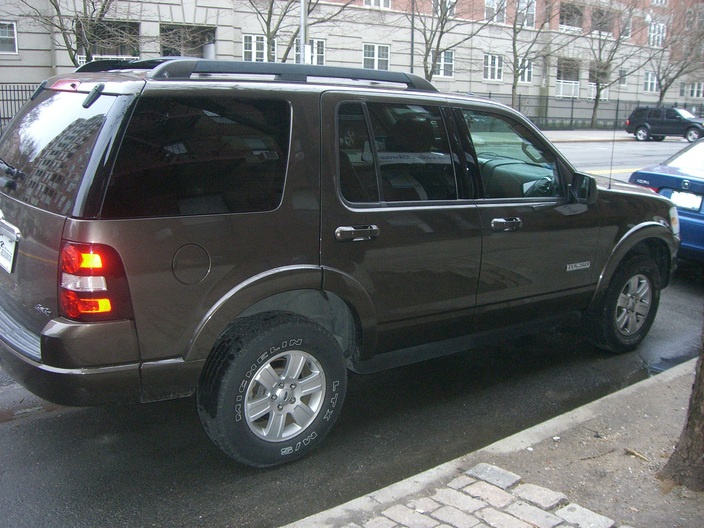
409 159
493 67
8 37
376 57
512 161
254 49
202 155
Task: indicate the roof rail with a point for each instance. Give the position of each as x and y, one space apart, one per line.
124 64
185 68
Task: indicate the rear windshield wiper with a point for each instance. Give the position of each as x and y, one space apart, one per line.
9 176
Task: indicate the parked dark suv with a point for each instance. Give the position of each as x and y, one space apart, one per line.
250 232
655 123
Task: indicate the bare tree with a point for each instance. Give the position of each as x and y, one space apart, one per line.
82 27
686 465
677 51
609 45
447 24
280 18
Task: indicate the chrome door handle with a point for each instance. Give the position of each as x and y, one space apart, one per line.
506 224
356 233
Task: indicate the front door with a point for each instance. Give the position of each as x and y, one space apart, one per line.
538 249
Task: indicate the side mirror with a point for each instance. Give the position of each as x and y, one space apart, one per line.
583 189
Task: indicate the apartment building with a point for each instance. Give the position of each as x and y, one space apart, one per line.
557 48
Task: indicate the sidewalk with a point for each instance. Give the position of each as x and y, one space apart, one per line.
594 467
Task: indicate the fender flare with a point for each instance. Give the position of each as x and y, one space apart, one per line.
647 231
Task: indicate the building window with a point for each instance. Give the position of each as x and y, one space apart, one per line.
493 67
317 51
570 17
381 4
187 41
445 64
255 49
626 28
376 57
495 10
602 21
444 8
8 37
650 82
697 90
659 2
525 71
623 77
567 78
525 13
656 34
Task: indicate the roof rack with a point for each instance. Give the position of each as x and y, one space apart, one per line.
102 65
185 68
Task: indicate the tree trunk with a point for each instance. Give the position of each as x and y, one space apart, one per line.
686 465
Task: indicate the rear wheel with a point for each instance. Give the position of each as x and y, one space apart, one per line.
642 134
627 308
692 134
272 389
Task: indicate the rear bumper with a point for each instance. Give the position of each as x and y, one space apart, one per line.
75 386
73 364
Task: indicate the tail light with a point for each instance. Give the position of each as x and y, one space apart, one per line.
93 284
628 122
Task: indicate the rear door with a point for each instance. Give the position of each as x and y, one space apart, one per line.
538 249
396 218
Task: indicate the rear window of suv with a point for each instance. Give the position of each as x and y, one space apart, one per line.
51 143
200 155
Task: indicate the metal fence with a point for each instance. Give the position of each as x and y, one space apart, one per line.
549 113
12 97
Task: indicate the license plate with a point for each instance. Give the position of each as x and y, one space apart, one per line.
687 200
8 249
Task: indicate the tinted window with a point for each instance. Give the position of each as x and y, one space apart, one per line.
410 151
513 162
51 143
191 156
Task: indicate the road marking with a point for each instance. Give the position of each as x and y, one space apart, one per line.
611 171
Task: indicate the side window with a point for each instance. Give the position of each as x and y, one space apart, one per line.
671 113
408 160
193 156
512 161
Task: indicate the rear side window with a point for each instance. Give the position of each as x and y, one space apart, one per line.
51 143
409 159
197 155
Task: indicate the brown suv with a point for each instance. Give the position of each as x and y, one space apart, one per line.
251 232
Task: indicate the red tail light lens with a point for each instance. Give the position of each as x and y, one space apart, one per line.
93 285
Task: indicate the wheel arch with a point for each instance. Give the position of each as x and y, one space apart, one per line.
342 307
652 239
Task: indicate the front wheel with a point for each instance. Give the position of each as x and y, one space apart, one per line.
272 389
627 308
692 134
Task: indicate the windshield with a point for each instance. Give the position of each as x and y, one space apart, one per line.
685 113
51 143
689 160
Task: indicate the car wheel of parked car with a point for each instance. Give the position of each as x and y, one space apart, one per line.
658 138
272 388
692 134
627 308
642 134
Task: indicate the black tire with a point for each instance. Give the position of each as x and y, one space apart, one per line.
692 134
642 134
627 308
272 389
